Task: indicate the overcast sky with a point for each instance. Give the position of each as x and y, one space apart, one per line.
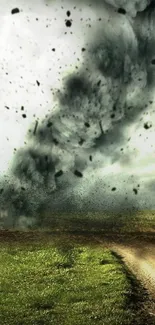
77 104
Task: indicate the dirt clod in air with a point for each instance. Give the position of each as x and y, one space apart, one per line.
77 173
59 173
15 11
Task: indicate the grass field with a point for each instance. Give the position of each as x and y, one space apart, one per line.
96 222
62 281
144 221
124 222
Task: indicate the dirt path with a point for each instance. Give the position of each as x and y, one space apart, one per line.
140 259
141 262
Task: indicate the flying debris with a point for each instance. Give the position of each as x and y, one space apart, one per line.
49 124
68 22
77 173
87 124
121 11
68 13
87 128
100 124
147 125
98 83
81 141
35 129
59 173
56 142
114 108
15 11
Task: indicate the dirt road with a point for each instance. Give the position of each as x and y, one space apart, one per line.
141 262
140 259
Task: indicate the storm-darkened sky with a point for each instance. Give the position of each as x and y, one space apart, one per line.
77 105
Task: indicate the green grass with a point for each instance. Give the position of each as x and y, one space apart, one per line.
62 282
143 221
124 222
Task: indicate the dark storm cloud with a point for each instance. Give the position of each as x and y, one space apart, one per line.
109 52
131 7
146 40
138 5
33 166
94 110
